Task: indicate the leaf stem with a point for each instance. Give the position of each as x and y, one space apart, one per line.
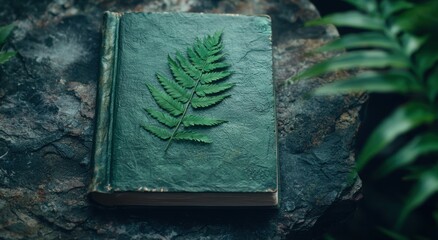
184 113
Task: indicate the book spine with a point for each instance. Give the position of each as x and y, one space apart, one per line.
101 181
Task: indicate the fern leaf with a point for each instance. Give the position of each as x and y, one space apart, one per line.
166 102
195 59
215 58
192 83
209 43
188 67
162 117
214 76
158 131
203 102
201 50
5 31
215 66
192 120
216 38
181 77
206 89
173 89
216 50
192 136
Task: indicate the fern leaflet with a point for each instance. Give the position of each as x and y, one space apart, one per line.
196 83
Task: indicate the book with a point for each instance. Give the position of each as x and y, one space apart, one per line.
185 111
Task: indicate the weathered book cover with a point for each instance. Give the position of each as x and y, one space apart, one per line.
185 111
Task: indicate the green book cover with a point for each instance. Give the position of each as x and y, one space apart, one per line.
185 111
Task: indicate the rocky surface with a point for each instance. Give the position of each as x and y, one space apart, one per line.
47 98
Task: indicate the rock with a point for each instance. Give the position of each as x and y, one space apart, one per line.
47 113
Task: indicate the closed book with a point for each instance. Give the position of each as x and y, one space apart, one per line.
185 112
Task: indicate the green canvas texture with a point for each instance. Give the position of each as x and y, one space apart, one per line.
243 154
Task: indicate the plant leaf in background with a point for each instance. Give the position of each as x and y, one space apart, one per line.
419 146
198 83
351 19
5 31
426 185
396 54
404 119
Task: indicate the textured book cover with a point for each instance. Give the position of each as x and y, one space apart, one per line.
185 111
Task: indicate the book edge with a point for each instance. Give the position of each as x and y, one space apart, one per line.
187 199
101 181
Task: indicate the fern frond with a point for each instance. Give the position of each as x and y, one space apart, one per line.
188 67
197 61
216 50
166 102
214 76
209 43
203 102
215 58
217 37
192 136
215 66
206 89
193 82
162 117
181 77
192 120
201 50
158 131
173 89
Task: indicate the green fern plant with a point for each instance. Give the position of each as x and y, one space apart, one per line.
396 53
198 83
5 31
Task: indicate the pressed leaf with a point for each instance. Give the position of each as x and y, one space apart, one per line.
192 136
359 40
201 50
5 56
5 31
166 102
402 120
193 77
208 42
173 89
350 19
203 102
158 131
206 89
216 38
394 81
215 58
180 75
162 117
356 59
192 120
215 66
214 76
421 145
197 61
425 186
188 67
216 50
